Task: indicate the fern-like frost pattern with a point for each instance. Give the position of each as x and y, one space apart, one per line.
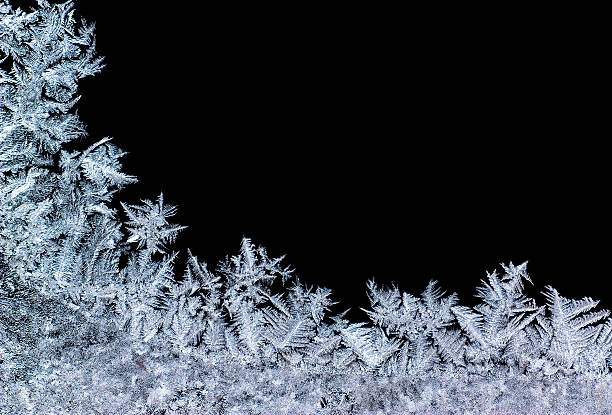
93 320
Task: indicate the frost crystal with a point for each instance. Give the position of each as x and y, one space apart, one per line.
81 333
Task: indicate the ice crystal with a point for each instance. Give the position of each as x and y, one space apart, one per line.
81 333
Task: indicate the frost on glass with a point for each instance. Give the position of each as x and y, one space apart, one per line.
93 320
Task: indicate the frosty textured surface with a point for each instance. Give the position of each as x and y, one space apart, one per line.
95 321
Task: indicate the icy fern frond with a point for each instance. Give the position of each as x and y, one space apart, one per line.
288 332
597 357
385 304
505 293
370 345
135 314
393 311
472 323
184 322
322 346
572 333
320 303
180 332
503 314
248 323
431 296
520 322
293 322
417 321
435 309
200 275
148 225
279 303
385 346
150 282
451 345
214 335
422 356
253 265
284 323
249 276
49 53
232 344
299 295
514 275
101 166
492 332
205 284
161 281
407 315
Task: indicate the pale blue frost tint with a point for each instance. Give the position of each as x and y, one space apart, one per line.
93 320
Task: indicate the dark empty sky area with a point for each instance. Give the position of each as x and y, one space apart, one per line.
404 145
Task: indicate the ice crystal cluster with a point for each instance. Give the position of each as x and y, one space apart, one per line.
95 321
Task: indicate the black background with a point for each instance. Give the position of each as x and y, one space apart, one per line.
400 144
